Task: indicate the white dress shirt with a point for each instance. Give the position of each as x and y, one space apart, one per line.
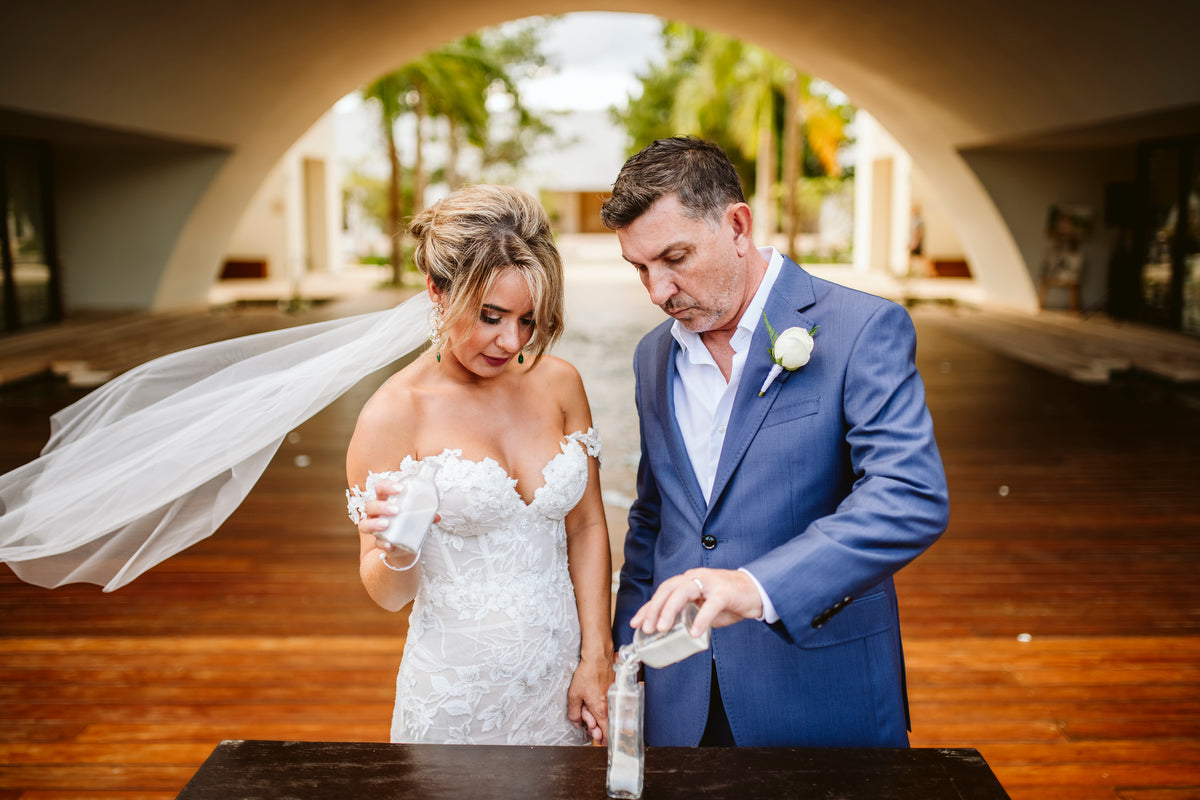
704 400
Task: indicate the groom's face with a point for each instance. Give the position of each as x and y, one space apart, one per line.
689 266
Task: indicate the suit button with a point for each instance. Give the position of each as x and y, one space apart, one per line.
709 541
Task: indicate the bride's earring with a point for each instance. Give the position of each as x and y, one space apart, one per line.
521 357
435 330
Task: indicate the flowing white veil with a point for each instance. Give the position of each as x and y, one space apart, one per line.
156 459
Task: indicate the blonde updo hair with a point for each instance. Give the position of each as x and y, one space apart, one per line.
467 239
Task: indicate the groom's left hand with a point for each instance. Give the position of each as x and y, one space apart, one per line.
725 596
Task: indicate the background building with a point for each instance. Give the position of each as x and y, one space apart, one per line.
145 138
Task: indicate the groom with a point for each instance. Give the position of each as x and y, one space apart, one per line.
784 509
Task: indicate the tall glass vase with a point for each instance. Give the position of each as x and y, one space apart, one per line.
626 752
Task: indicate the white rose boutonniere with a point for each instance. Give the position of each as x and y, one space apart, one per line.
790 350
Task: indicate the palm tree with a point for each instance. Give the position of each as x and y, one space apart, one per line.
819 122
761 77
456 88
741 96
390 92
736 84
792 122
431 86
450 83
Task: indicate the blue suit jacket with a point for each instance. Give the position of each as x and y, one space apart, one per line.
826 486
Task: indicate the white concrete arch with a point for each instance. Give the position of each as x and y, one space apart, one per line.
201 98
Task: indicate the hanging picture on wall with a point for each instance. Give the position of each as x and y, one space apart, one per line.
1063 262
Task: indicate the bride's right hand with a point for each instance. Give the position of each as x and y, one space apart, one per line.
377 515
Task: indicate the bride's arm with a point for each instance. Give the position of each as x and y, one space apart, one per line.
590 563
374 446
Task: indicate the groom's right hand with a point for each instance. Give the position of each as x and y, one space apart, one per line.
725 596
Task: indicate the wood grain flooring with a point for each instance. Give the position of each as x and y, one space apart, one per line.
1055 627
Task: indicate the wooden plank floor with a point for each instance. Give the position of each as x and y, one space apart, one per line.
1075 525
1056 626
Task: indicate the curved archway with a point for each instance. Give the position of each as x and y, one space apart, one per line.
219 89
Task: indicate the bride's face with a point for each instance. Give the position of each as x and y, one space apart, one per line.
504 326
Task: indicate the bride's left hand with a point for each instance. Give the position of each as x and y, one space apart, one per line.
587 698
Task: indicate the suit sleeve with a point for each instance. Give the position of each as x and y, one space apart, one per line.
898 504
637 571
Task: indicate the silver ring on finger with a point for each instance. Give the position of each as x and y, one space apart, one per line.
699 586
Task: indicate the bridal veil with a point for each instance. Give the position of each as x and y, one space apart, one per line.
156 459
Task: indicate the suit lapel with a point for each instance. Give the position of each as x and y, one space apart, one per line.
662 394
793 292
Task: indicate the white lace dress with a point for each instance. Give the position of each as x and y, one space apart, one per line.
493 639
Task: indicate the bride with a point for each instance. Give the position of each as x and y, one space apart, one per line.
508 639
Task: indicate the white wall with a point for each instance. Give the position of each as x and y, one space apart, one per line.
941 237
281 219
1025 183
882 199
883 204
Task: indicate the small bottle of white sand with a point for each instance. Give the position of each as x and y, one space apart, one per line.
663 648
417 505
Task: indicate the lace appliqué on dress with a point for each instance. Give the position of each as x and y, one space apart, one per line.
356 498
591 440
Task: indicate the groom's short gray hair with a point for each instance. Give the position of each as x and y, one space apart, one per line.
696 171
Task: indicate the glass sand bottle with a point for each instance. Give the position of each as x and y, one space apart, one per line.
417 505
626 753
627 700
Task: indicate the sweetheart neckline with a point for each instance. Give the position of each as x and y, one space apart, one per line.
566 439
456 454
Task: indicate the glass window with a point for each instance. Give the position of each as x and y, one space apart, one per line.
1170 239
1191 250
29 276
1162 183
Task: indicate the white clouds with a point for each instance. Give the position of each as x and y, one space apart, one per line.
596 55
579 89
593 59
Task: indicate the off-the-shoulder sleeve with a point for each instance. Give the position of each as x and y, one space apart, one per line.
590 439
356 501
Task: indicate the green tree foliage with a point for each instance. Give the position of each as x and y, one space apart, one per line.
390 92
653 115
454 88
516 46
778 125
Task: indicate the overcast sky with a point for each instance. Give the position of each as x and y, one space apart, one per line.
594 57
597 55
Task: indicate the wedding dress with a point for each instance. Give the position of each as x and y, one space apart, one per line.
494 637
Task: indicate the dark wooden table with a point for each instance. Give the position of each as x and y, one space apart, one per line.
261 770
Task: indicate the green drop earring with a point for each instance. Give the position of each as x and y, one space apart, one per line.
435 330
520 358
